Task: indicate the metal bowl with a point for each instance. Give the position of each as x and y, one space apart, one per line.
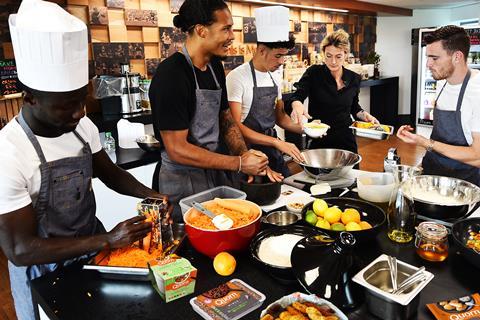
461 231
328 164
281 218
466 193
149 143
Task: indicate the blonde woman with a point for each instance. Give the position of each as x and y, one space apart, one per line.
333 95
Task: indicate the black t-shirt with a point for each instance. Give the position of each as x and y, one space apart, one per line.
326 103
172 91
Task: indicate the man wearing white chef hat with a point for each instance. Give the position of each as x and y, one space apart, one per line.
50 153
254 93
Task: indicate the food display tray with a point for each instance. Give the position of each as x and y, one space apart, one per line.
371 133
99 262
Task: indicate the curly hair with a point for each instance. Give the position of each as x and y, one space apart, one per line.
193 12
338 39
453 38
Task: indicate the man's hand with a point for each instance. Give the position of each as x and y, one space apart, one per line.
128 231
254 163
405 134
298 111
290 149
274 176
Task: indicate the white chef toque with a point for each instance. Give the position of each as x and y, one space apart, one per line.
50 46
272 24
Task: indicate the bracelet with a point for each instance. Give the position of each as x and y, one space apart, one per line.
240 164
430 145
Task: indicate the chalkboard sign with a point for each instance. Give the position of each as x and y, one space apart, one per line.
8 78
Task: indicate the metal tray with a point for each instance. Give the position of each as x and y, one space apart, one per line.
98 262
371 133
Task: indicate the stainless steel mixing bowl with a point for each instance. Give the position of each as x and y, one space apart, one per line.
328 164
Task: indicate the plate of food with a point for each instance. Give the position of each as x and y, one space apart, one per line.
372 130
131 263
302 306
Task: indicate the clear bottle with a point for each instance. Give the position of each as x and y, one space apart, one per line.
109 146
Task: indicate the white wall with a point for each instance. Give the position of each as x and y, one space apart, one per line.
394 46
466 12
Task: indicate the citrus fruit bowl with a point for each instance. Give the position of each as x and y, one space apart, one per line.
334 215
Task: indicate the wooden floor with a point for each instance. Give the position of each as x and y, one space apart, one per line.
372 152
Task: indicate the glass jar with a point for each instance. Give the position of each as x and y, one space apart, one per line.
432 241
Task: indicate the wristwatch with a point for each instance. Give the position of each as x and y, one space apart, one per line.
430 145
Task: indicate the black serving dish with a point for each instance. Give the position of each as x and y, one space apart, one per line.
261 192
282 274
460 233
369 213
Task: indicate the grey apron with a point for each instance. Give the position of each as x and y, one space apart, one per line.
261 118
65 207
447 128
180 181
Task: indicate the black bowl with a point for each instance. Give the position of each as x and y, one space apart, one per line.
283 274
460 233
262 193
369 213
149 143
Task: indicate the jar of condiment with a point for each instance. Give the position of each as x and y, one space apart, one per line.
431 241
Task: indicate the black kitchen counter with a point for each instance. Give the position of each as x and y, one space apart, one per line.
73 293
133 158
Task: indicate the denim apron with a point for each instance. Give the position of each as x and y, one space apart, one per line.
261 118
447 128
65 207
180 181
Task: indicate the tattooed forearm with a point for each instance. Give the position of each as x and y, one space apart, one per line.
231 134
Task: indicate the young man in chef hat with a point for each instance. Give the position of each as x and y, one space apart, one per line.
50 152
254 93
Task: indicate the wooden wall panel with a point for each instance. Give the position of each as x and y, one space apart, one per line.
138 66
118 33
116 17
78 2
135 34
81 12
152 50
132 4
99 34
8 50
150 34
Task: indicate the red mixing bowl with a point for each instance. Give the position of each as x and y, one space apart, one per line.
212 242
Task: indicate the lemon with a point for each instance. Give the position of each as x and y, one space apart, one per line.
365 225
322 223
319 207
352 226
224 264
350 215
332 214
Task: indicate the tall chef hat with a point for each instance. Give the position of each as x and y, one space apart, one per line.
50 47
272 24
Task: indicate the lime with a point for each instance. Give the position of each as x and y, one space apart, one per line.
338 226
311 217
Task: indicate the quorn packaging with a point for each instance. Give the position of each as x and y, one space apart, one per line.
464 308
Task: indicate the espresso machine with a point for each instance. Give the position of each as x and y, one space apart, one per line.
120 94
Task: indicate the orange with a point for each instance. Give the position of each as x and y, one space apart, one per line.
224 264
365 225
332 214
350 215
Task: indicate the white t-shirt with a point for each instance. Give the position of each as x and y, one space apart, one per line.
240 86
20 169
470 106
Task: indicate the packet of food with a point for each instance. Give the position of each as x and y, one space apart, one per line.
465 308
161 236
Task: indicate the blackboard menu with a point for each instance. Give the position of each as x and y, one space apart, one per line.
8 78
474 34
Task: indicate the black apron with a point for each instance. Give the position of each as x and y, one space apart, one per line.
447 128
180 181
261 118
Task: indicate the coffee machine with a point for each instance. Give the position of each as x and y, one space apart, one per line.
123 92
